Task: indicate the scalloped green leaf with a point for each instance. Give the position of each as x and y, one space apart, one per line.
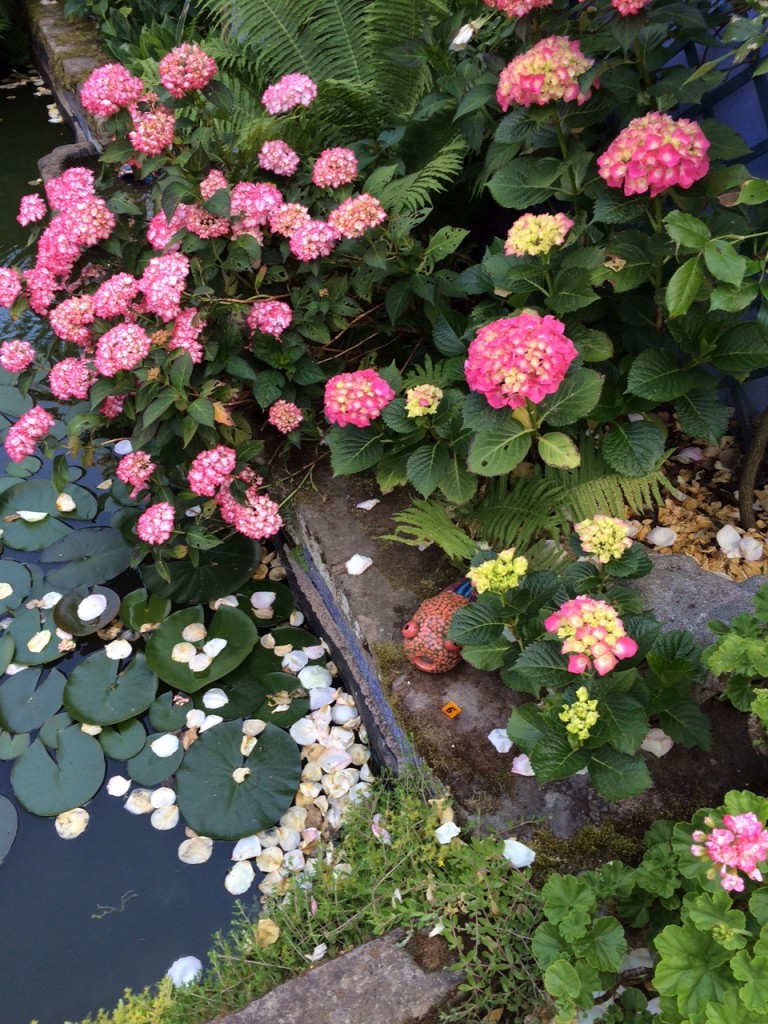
147 769
214 804
497 452
552 757
617 775
96 693
24 705
225 569
123 740
47 786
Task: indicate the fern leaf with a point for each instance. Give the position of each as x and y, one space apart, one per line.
414 191
516 511
428 522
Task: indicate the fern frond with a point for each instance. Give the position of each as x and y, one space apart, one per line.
517 510
414 191
428 522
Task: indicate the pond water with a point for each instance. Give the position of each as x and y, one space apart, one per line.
86 918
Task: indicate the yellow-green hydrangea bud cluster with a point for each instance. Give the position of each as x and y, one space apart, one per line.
499 574
604 537
536 233
580 716
422 400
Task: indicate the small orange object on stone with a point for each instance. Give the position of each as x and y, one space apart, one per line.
450 709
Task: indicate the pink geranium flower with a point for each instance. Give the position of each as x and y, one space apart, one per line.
740 846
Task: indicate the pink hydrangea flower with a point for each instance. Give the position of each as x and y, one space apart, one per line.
654 153
24 434
112 406
155 525
16 355
548 71
740 846
356 398
287 218
212 183
517 8
334 167
204 224
255 202
518 358
135 469
278 157
289 92
31 208
187 329
108 88
270 316
312 240
10 286
122 348
629 7
258 518
70 320
593 635
153 131
356 215
88 222
163 283
71 378
40 288
285 416
160 230
534 234
209 470
185 69
71 186
114 296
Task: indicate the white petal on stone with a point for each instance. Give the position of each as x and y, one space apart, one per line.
263 598
500 740
360 791
65 502
91 607
31 517
139 802
366 506
633 528
118 785
518 854
239 878
357 564
165 746
209 721
165 818
215 698
315 676
196 850
39 641
521 765
184 971
162 797
312 772
71 824
270 859
447 832
183 652
118 650
662 537
253 727
215 646
342 714
5 590
751 549
294 661
657 742
317 953
729 539
303 732
195 718
49 600
194 632
90 730
199 663
247 848
366 775
123 447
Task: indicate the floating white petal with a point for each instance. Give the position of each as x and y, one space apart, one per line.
31 517
90 730
500 740
197 850
139 802
92 607
662 537
5 591
65 502
165 746
319 696
118 785
183 652
230 601
209 721
239 878
165 818
118 650
163 797
315 651
214 646
200 662
253 727
215 698
246 848
49 600
518 854
71 824
263 599
39 641
357 564
184 971
657 743
447 832
315 675
195 718
193 632
294 661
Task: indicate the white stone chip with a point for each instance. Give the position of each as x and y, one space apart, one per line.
357 564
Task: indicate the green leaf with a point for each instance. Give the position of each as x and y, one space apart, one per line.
96 693
617 776
632 565
147 769
570 903
693 969
739 351
497 452
708 910
165 716
686 723
559 450
353 449
12 744
657 375
47 787
552 757
24 705
702 415
623 722
26 625
139 608
604 946
687 230
634 448
526 726
684 286
576 397
65 611
87 557
427 466
733 298
123 740
754 192
731 1009
221 573
16 575
9 825
488 657
543 661
214 804
524 182
480 622
562 982
458 485
724 262
548 944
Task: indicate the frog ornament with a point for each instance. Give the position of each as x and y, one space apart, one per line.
425 635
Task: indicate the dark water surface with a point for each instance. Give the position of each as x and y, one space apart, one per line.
83 919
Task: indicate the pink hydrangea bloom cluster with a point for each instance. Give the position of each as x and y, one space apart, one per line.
163 283
122 348
518 358
24 434
356 398
16 355
114 296
71 378
135 469
548 71
356 215
160 230
285 416
534 234
334 167
185 69
258 518
108 88
270 316
153 130
654 153
739 846
187 328
278 157
594 635
287 218
517 8
70 187
31 208
289 92
212 183
155 525
254 203
312 240
629 7
204 224
10 286
210 469
71 318
112 406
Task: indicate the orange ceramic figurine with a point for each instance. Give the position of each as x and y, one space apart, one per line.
425 640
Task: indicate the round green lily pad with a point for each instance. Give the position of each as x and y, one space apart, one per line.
298 639
13 744
50 729
9 826
272 683
147 769
96 693
123 740
24 705
7 647
16 576
281 608
39 496
47 786
65 612
165 716
222 571
215 804
228 624
25 468
27 625
139 608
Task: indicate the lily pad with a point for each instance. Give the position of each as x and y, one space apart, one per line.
47 786
25 468
228 624
13 744
24 705
139 608
298 639
147 769
165 716
211 799
124 740
39 496
96 693
9 826
281 607
6 651
248 692
87 557
65 613
274 683
28 625
12 403
223 571
50 729
16 575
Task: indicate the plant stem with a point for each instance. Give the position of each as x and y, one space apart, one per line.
749 470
